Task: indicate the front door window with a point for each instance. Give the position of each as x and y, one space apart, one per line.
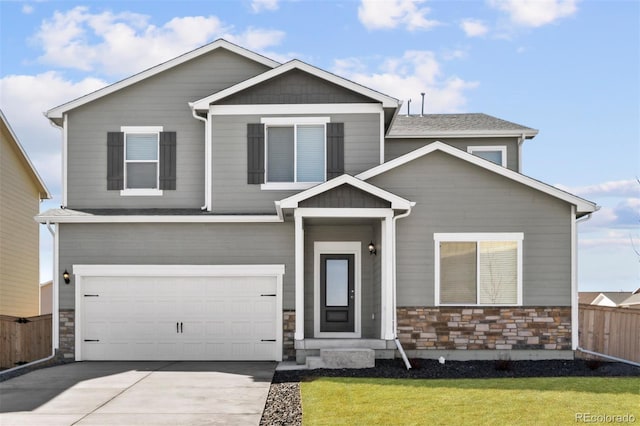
337 293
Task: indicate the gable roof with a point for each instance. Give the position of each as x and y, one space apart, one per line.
55 114
13 139
455 125
631 301
614 297
583 206
587 296
386 101
395 201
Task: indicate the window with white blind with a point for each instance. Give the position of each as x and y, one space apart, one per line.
495 154
141 157
295 151
478 269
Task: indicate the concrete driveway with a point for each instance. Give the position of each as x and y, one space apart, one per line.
138 393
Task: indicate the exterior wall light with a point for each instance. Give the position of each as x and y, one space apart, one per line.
372 248
65 276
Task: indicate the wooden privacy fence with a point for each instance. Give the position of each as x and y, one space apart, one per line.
24 340
610 331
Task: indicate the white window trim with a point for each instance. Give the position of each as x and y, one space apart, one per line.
292 122
518 237
337 247
484 148
141 192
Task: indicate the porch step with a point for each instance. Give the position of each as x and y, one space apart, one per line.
343 358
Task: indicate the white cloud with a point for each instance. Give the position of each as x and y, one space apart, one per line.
474 27
125 43
389 14
24 98
27 9
407 76
535 13
260 5
618 188
256 38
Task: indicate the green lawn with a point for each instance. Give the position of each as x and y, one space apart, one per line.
521 401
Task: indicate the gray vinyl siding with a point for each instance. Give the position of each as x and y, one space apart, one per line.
181 244
455 196
232 194
355 232
295 87
396 147
346 196
160 100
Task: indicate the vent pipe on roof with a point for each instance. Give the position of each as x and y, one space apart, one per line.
422 111
408 107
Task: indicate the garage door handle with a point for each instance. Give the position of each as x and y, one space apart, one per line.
268 295
177 327
91 340
180 327
267 340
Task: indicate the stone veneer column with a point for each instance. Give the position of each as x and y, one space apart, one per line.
67 333
288 335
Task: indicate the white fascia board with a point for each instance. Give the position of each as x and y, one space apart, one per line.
396 201
158 219
529 134
583 206
293 109
43 192
306 212
56 113
177 270
386 101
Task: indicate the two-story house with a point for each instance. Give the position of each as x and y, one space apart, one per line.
223 206
21 191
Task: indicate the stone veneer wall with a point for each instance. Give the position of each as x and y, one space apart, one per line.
288 332
500 328
67 333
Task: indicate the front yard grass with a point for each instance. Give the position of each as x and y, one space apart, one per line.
521 401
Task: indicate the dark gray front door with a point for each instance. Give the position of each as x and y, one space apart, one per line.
337 293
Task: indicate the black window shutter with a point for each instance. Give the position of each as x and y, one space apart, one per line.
335 150
168 160
115 160
255 153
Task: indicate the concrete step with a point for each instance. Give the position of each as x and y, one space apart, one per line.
343 358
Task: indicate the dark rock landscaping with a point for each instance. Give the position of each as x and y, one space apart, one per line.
283 403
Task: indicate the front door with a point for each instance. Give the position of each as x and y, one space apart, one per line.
337 293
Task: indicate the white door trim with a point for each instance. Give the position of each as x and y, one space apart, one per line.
336 247
82 271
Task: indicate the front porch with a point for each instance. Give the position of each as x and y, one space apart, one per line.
344 282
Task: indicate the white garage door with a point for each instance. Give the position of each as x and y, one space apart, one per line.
179 318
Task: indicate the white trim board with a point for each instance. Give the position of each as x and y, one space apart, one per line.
70 216
57 112
337 247
582 205
281 109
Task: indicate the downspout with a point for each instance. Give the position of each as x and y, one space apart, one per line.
575 337
521 140
393 296
207 163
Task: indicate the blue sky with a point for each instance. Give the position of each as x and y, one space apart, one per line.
568 68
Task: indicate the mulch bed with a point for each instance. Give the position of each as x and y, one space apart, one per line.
283 402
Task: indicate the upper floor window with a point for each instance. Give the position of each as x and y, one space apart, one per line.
141 160
296 153
495 154
478 269
292 153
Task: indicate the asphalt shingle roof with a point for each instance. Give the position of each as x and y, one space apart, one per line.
439 124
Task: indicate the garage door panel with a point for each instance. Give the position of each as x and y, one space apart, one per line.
138 318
